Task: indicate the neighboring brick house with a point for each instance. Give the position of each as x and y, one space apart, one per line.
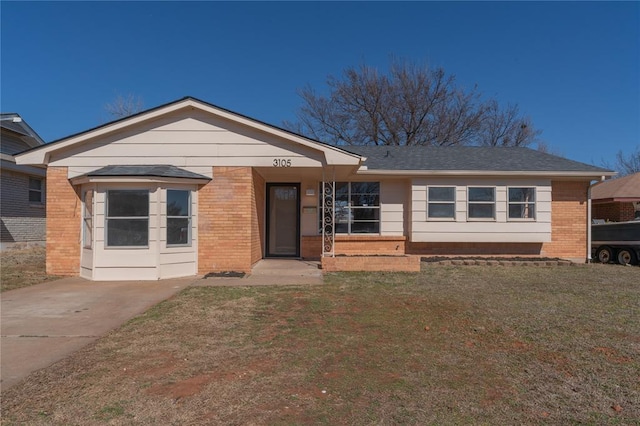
617 200
189 188
22 188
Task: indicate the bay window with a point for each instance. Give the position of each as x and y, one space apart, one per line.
178 217
127 219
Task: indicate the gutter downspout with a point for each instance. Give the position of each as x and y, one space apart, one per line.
589 259
589 223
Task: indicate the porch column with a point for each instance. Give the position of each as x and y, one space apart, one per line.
328 224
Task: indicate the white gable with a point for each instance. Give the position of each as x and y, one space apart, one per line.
187 134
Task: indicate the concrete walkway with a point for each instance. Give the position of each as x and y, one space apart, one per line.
45 323
272 272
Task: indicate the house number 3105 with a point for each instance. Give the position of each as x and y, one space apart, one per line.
281 162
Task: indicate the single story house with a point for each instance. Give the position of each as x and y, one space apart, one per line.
190 188
22 187
617 200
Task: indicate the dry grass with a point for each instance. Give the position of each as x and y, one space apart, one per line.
22 268
451 345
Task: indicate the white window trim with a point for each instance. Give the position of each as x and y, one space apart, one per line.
442 219
107 217
494 203
535 205
189 217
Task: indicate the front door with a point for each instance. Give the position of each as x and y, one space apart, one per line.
283 220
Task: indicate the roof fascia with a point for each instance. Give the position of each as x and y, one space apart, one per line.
136 179
488 173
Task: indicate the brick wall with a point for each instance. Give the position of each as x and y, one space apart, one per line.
614 211
371 263
224 223
63 224
568 221
479 249
257 216
21 220
349 245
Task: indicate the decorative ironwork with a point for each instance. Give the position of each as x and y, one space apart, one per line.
328 225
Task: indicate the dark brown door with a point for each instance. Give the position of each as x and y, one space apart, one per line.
283 220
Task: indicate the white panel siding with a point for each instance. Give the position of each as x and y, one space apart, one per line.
393 194
462 229
196 144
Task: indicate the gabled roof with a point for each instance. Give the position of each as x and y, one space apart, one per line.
621 189
13 122
40 155
469 160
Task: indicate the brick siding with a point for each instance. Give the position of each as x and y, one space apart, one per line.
63 224
257 217
613 211
568 221
371 263
478 249
225 221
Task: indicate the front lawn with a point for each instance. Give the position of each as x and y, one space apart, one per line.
22 268
450 345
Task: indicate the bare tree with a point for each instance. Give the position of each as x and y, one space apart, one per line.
124 106
505 127
410 105
627 163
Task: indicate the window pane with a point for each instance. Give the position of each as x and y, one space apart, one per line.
88 204
177 203
127 232
365 193
366 214
522 211
35 196
365 227
341 228
481 210
178 231
342 192
441 210
35 184
127 203
441 194
88 233
526 195
481 194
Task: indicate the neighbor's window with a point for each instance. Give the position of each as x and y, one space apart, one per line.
178 217
441 202
87 235
522 203
36 190
481 203
356 207
127 218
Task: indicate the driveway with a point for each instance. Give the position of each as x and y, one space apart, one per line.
45 323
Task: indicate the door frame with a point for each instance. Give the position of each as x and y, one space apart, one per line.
268 219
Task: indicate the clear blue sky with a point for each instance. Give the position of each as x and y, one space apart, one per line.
572 67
